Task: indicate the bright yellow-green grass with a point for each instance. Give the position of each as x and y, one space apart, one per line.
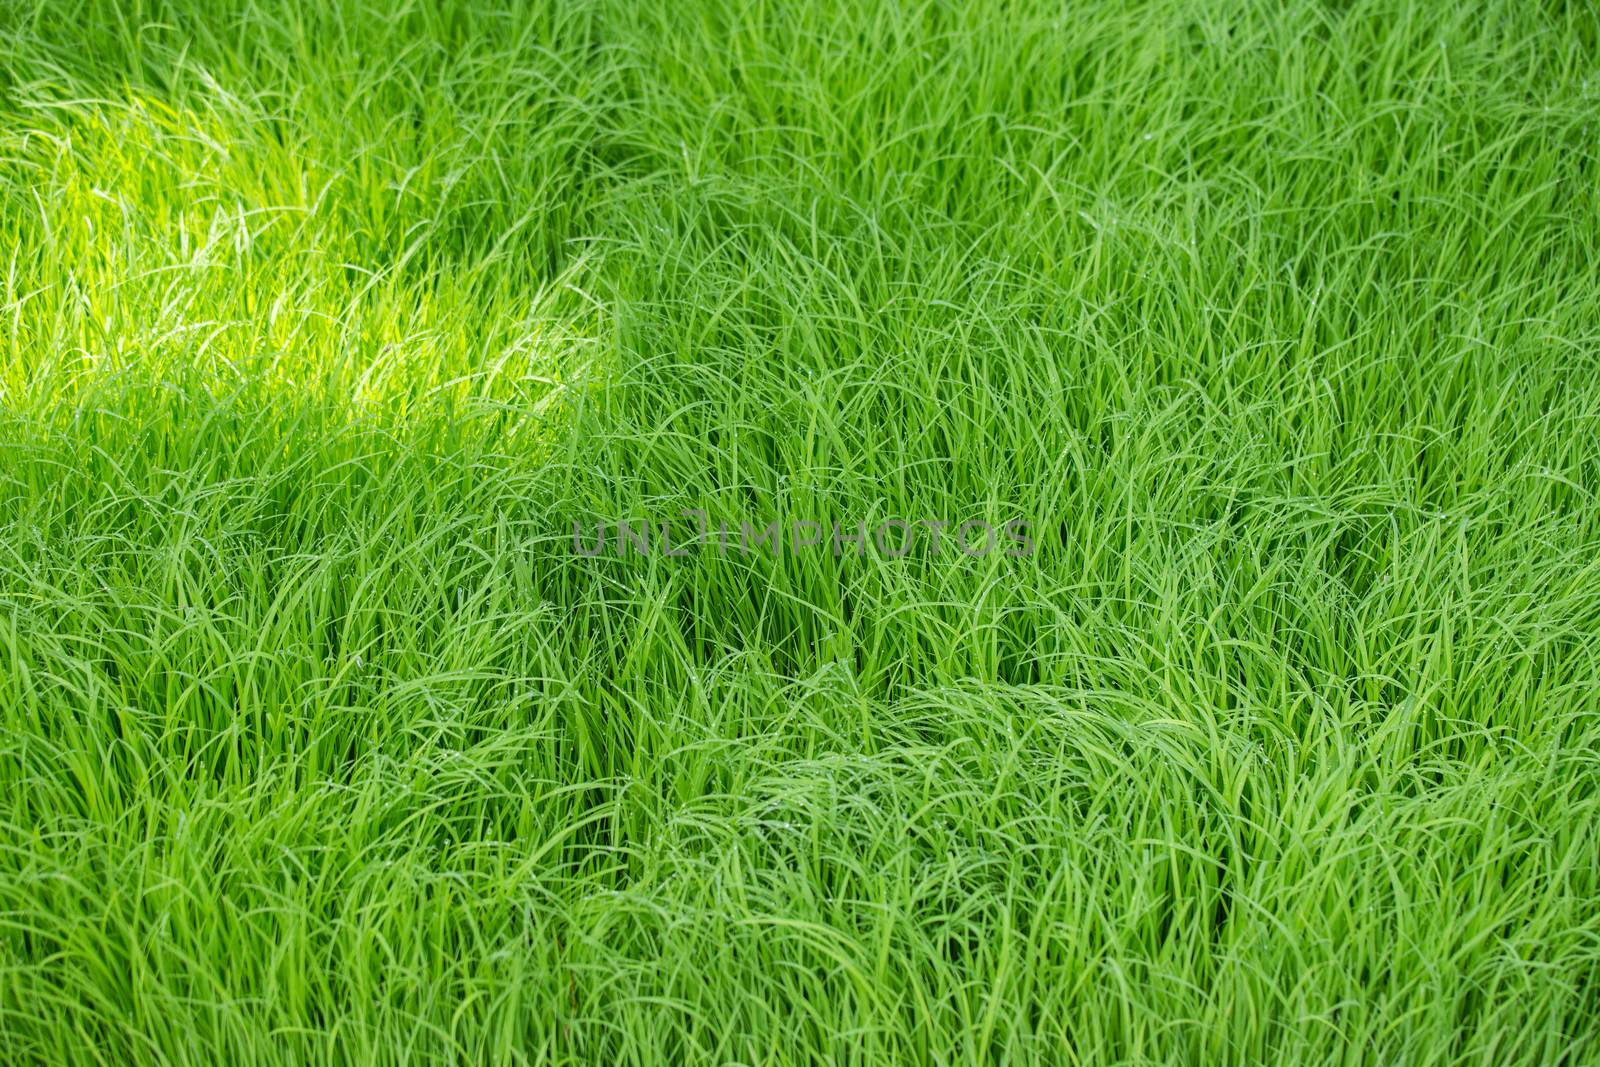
322 325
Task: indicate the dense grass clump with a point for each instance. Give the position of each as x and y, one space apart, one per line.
324 324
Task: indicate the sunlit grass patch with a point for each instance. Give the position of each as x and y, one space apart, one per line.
231 245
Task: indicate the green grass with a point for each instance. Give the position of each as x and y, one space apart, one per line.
320 328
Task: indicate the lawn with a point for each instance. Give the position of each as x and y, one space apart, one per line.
840 532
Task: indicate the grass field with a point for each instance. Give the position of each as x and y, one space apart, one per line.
322 327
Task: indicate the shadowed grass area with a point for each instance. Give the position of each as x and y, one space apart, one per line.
319 330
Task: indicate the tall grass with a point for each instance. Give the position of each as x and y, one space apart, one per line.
323 324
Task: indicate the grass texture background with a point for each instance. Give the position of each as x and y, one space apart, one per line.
321 324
